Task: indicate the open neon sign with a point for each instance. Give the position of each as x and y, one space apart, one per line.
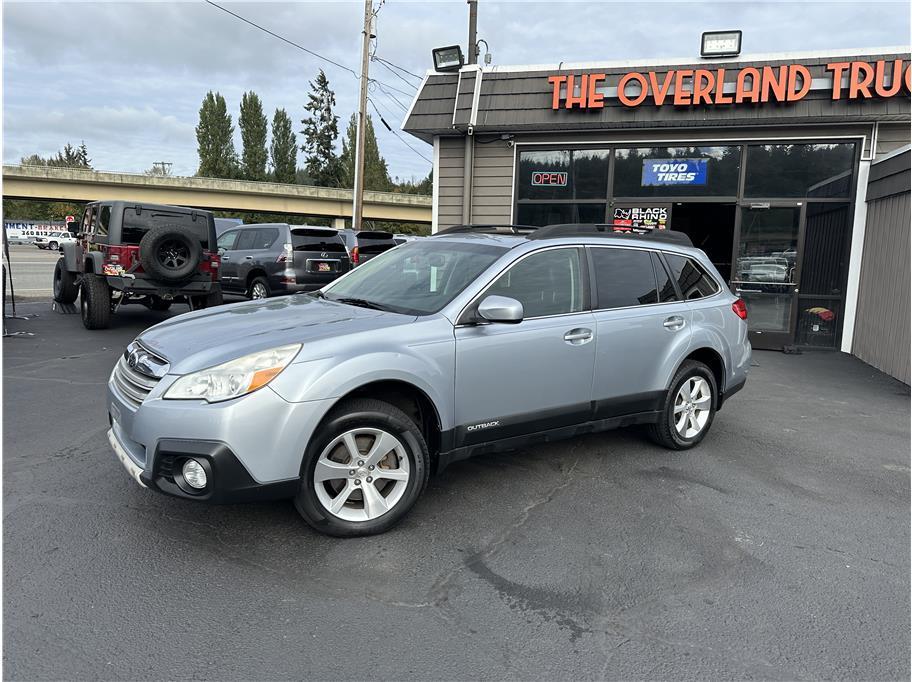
553 178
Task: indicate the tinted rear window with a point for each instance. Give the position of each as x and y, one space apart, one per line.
372 243
303 239
136 224
623 277
694 281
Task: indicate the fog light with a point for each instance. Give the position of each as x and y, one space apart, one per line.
194 474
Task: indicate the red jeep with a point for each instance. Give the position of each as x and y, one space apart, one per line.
127 252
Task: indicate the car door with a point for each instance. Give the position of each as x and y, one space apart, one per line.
642 330
228 269
243 256
535 375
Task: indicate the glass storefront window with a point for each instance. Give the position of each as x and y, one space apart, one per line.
559 213
799 170
564 174
676 171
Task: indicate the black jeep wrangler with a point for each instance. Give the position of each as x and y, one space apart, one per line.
126 252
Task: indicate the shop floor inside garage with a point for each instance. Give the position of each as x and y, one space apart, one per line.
711 227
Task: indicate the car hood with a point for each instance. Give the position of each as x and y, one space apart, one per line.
204 338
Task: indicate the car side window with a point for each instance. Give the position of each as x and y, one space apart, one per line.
246 241
546 283
226 241
692 278
623 277
104 219
265 238
88 220
667 291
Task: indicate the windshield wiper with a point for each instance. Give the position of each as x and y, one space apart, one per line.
361 303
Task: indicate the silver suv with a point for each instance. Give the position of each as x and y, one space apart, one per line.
475 340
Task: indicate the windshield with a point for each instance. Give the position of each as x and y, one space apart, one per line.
417 278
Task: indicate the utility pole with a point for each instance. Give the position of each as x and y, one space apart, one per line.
473 30
362 117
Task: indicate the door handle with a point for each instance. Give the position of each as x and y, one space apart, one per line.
248 257
226 257
578 337
674 323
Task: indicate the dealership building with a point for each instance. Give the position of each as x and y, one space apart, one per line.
790 170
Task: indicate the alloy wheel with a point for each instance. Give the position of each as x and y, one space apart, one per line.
692 407
259 291
173 254
362 474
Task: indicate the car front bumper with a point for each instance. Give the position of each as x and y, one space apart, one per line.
251 447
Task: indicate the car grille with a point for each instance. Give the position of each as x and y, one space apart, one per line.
132 385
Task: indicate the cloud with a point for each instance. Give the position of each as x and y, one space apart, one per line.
129 77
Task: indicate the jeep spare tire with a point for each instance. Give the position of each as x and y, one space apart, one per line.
170 253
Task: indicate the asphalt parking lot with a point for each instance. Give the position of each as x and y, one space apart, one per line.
779 549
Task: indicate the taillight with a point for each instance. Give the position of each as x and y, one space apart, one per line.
740 309
287 255
355 256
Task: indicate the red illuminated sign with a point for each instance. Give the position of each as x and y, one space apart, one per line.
556 178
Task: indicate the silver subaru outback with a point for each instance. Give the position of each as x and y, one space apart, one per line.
476 340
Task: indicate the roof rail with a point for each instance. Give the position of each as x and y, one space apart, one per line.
488 229
611 230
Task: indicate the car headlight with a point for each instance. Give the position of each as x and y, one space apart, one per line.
233 379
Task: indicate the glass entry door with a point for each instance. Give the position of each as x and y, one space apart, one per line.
766 271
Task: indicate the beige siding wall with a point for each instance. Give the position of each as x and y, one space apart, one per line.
492 187
891 136
449 201
882 336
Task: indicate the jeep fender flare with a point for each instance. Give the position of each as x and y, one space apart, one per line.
97 260
73 258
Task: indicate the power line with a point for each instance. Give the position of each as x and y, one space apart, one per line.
392 96
401 139
398 68
301 47
283 39
383 64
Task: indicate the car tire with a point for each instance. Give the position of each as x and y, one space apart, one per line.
259 288
65 289
53 246
158 303
95 302
170 253
689 409
368 421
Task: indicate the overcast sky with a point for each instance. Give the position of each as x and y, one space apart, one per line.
128 77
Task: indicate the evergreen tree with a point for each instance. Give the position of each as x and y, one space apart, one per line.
68 157
214 136
283 151
252 123
376 172
321 129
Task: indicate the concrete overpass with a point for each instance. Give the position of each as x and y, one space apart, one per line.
73 184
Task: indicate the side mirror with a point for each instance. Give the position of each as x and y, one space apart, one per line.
501 309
